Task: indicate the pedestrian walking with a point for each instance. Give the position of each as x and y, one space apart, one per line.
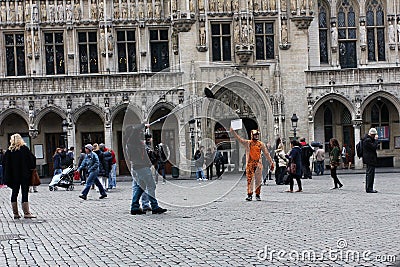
141 157
281 164
18 165
219 162
83 171
199 162
320 160
370 158
57 161
209 157
344 156
334 156
91 163
295 157
254 166
162 160
306 153
106 163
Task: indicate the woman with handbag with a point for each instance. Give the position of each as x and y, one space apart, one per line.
18 165
295 166
334 156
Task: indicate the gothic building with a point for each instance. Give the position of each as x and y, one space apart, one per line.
70 68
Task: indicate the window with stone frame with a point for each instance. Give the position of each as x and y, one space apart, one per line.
126 45
88 54
323 24
15 54
375 22
379 118
54 48
159 47
265 40
221 42
347 34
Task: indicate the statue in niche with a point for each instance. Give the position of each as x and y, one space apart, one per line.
27 12
191 5
236 33
68 11
31 119
245 33
334 35
149 9
201 5
250 4
398 30
110 42
3 12
29 43
293 5
284 33
173 5
391 33
102 42
11 11
251 33
202 33
283 5
116 10
228 6
20 13
52 11
311 4
272 5
35 12
235 5
256 6
212 5
220 5
101 10
77 11
363 33
60 12
157 9
36 42
124 10
43 12
132 9
141 9
93 10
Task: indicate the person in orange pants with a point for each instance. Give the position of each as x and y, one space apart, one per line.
253 162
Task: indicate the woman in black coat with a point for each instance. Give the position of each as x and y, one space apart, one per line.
295 157
18 165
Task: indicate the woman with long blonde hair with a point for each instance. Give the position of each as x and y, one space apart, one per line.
18 165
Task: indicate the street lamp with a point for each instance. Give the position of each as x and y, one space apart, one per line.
191 130
65 132
294 120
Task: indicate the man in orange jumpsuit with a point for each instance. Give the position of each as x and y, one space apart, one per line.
253 162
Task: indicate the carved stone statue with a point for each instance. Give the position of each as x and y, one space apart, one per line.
110 43
250 4
36 43
272 4
102 42
101 10
60 12
363 33
391 33
116 10
20 13
132 9
202 33
191 5
149 9
35 12
334 35
52 12
235 5
31 119
3 12
43 12
201 5
27 12
236 33
93 10
283 5
68 11
284 31
157 9
77 11
220 6
293 5
124 10
398 30
228 6
173 5
251 34
11 11
141 9
29 43
211 6
245 33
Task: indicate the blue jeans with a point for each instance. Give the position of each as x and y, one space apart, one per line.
57 171
144 180
199 173
112 179
93 179
320 167
145 197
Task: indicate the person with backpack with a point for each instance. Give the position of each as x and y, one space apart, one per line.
306 153
370 158
334 156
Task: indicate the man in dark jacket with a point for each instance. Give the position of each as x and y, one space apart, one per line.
370 158
306 153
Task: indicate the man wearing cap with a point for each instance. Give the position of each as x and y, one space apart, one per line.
91 163
370 158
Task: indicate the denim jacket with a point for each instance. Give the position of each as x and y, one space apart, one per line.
91 162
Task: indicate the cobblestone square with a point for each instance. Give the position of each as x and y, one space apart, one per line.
319 227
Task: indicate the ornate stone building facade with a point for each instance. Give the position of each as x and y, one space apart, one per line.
79 63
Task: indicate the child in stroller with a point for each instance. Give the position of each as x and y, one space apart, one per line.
64 179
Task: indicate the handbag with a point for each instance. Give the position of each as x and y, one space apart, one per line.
292 168
77 176
35 180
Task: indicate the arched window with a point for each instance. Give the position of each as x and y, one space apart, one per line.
380 119
323 32
375 30
347 34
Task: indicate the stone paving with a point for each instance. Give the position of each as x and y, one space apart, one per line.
210 224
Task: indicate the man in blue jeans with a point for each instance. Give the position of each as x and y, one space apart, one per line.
141 156
91 163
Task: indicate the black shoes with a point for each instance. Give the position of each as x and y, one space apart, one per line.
103 196
83 197
249 197
372 191
258 198
137 212
146 209
159 210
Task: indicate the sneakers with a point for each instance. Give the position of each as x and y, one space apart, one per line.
159 210
3 186
137 212
83 197
258 198
103 196
249 197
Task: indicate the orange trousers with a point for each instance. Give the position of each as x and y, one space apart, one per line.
254 173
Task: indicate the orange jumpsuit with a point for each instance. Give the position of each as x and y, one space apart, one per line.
253 162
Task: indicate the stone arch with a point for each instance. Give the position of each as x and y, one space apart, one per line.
334 96
395 101
79 111
160 104
39 116
118 109
17 111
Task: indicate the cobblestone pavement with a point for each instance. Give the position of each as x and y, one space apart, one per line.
319 227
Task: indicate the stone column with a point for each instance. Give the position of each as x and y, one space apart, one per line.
71 139
108 136
311 131
357 134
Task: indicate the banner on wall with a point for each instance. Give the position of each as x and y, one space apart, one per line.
383 133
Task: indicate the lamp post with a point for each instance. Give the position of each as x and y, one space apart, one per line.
65 132
191 130
294 120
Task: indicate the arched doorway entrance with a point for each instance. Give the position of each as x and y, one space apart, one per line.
11 124
89 129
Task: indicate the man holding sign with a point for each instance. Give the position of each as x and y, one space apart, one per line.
253 161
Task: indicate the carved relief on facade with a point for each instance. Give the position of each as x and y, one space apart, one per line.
20 13
3 12
174 7
29 43
211 5
283 5
220 5
124 10
149 9
141 9
36 44
60 12
157 9
202 36
77 11
132 9
101 10
11 11
102 42
43 12
52 12
116 10
201 5
68 11
93 10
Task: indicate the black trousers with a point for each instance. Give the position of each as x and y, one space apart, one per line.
210 171
15 192
298 180
369 178
279 173
334 176
220 169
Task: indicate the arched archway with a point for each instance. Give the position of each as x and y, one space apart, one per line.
13 123
89 128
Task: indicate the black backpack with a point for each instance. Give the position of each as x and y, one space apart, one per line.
359 149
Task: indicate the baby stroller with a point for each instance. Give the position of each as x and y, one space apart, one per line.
64 179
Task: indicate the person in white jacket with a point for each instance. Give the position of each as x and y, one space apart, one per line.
282 163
